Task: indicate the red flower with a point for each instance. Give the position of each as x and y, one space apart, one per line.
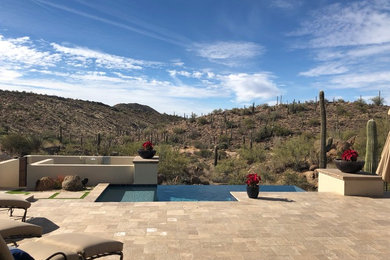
147 145
253 179
349 155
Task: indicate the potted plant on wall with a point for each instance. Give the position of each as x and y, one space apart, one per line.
252 188
147 151
348 162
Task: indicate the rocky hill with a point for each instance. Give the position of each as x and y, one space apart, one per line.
44 115
284 137
232 128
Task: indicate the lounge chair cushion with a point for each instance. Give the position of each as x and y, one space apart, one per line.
5 254
8 201
41 250
19 254
86 245
14 229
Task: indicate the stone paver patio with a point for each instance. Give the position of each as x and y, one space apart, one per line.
307 225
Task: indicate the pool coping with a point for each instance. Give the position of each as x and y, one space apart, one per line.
96 192
237 195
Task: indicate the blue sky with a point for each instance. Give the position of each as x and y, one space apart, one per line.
183 56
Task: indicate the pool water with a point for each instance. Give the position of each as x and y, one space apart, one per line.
139 193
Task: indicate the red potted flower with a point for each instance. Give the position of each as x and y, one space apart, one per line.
147 151
348 162
252 188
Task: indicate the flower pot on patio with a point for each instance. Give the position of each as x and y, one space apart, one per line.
349 166
252 191
146 154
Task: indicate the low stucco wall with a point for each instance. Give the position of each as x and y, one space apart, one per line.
115 174
9 173
62 159
145 170
359 184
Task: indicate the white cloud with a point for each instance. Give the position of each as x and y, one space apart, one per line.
248 87
84 55
187 74
368 80
228 53
21 51
325 69
359 23
369 51
9 75
285 4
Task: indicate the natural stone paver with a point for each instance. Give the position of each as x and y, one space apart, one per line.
275 226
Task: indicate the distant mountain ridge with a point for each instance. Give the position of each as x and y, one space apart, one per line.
31 113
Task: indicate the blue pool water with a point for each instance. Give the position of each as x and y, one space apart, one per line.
138 193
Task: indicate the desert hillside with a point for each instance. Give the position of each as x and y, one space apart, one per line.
45 115
280 142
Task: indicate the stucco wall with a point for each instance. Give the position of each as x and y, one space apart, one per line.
9 173
328 183
61 159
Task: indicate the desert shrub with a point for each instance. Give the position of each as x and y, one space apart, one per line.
292 178
223 141
278 130
231 124
19 144
263 133
130 148
267 177
275 115
232 171
192 119
236 111
246 111
249 123
378 101
194 134
296 107
256 154
202 121
361 105
4 130
172 163
201 145
314 122
265 106
179 130
204 153
174 139
294 152
340 110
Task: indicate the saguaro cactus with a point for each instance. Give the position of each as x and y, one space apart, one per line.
371 147
215 155
322 163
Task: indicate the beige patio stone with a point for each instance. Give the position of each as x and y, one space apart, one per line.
307 225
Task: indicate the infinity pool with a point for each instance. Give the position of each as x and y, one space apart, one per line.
139 193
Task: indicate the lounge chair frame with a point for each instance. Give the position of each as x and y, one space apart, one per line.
103 255
58 253
11 211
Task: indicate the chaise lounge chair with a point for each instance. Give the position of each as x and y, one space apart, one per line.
66 247
5 253
11 230
14 202
74 246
